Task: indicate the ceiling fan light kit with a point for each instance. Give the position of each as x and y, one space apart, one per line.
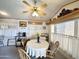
35 14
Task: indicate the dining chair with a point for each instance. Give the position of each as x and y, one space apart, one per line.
53 49
23 54
24 43
50 45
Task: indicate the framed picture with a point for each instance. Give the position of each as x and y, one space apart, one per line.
22 24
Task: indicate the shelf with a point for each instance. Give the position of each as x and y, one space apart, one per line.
68 17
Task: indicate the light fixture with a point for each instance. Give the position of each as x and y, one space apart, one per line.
34 13
35 10
3 13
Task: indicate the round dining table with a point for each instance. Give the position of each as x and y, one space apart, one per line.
36 49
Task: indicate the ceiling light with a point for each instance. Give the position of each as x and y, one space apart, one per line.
34 13
3 13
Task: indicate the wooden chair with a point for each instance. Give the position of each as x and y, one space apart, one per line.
23 54
53 49
50 45
24 43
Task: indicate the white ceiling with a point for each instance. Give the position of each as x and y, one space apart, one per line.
14 9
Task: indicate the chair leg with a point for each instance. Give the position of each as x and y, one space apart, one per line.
53 55
49 56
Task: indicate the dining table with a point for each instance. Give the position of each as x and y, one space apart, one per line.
36 49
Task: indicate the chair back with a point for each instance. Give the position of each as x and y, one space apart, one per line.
24 42
57 44
23 54
50 45
53 49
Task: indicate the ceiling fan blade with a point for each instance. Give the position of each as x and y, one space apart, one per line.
25 2
35 1
41 13
25 11
43 5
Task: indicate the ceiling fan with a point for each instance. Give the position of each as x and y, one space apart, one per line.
36 10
